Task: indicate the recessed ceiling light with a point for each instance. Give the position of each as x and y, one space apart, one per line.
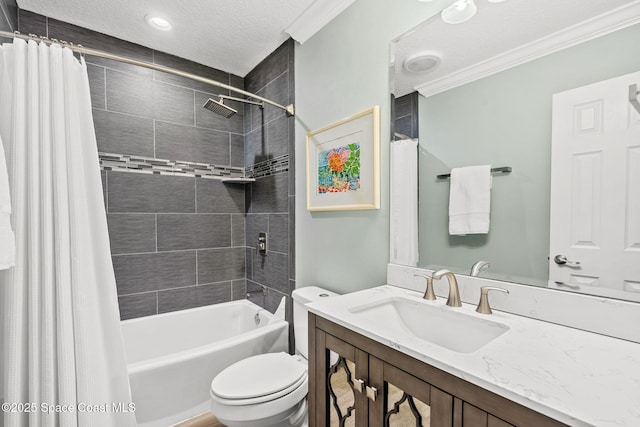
157 22
459 12
422 62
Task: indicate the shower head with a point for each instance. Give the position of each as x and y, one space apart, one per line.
218 107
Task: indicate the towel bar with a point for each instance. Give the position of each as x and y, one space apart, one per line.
503 169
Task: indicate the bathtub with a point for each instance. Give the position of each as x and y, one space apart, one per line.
173 357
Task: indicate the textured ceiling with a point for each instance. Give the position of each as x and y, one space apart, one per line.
496 28
230 35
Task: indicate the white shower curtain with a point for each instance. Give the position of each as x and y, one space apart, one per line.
64 355
404 203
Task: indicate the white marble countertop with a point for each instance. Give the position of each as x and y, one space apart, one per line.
576 377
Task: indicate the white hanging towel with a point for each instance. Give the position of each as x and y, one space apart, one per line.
404 202
470 200
7 239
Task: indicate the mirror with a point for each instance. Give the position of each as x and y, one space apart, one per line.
489 100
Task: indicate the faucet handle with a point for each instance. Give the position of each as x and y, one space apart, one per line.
483 304
429 294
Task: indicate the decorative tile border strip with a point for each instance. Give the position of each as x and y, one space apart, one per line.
149 165
139 164
268 167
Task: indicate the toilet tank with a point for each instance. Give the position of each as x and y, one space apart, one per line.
302 296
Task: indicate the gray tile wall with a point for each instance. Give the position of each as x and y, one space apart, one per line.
181 242
8 16
405 115
269 133
177 242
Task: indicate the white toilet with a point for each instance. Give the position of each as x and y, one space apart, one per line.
269 389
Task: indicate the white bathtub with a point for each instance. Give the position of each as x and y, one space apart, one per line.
173 357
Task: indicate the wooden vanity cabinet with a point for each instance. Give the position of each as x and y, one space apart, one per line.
371 384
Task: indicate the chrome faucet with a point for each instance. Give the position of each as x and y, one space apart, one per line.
475 268
454 293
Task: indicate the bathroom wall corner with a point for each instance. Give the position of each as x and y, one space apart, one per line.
270 154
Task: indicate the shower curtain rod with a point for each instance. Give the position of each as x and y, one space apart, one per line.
95 52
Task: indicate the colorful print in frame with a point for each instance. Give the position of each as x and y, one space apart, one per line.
343 164
339 169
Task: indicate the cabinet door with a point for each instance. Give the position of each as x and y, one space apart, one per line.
471 416
342 375
405 400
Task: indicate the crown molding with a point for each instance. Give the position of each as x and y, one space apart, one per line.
315 17
600 25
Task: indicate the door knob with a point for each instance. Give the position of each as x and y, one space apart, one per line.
574 287
562 260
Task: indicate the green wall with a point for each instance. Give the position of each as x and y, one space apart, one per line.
505 120
343 70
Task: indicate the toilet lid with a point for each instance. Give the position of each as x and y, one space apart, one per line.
256 376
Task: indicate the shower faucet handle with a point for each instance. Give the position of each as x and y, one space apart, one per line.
262 243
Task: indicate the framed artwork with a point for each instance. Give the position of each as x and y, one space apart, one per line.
343 164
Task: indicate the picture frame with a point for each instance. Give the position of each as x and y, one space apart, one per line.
343 164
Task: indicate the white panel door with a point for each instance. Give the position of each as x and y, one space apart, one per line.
595 187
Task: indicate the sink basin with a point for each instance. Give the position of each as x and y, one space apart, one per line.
440 325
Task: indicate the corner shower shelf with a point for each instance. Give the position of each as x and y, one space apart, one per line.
239 180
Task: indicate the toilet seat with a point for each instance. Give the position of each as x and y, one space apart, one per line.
259 400
258 379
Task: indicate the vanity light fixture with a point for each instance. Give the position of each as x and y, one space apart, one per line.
422 62
157 22
459 12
